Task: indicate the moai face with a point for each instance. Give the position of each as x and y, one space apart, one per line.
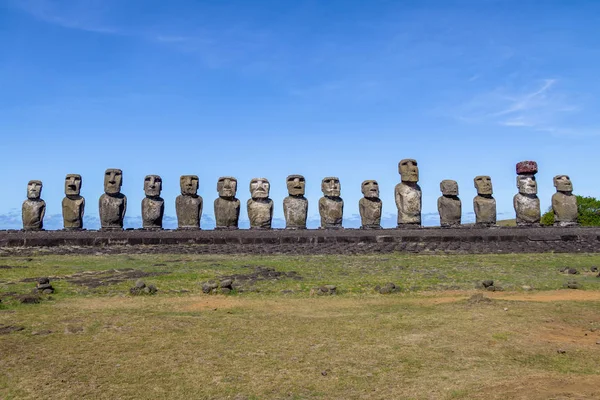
563 183
259 188
331 187
34 190
189 185
113 179
483 184
152 185
370 189
296 185
527 184
449 187
227 187
409 171
72 184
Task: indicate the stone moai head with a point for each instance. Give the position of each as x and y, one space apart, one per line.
189 184
72 184
483 184
152 185
409 171
526 171
227 187
527 184
259 188
34 190
296 185
370 189
563 183
449 187
113 180
331 187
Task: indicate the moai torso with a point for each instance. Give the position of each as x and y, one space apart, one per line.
260 213
485 210
331 210
33 214
153 209
112 211
450 210
370 213
527 208
295 209
408 202
189 211
564 206
72 211
227 213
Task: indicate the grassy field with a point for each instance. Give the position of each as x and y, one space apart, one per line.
270 338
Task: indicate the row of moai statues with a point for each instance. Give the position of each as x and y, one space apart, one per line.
408 197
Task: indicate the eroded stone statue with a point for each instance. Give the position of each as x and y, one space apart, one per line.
484 204
564 203
449 205
153 206
526 202
408 194
295 206
227 207
260 206
73 204
112 204
188 205
34 207
369 206
331 205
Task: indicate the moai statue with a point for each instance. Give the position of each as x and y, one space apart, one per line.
34 207
188 204
295 206
526 202
449 205
153 206
227 207
113 203
408 194
331 205
260 206
484 204
564 203
73 204
370 205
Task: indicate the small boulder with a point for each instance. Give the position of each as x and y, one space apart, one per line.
43 281
387 288
209 287
487 283
140 284
594 269
226 283
29 299
573 285
572 271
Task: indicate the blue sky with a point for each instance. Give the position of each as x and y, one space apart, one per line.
321 88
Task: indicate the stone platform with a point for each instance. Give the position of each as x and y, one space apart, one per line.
463 240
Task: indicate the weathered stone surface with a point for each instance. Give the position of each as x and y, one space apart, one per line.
526 202
484 204
564 203
260 206
73 204
188 205
153 206
370 205
527 168
295 206
227 207
34 208
449 205
331 205
112 204
408 194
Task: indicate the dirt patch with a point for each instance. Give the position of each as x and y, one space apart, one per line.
543 388
6 329
261 274
453 296
94 279
479 298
